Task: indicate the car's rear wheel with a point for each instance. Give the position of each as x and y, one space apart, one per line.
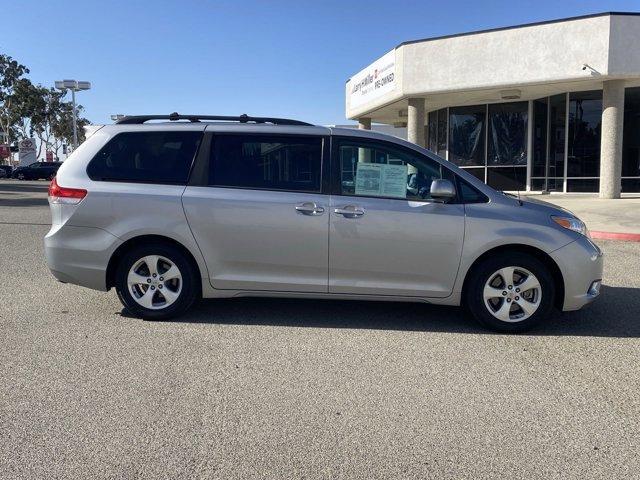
156 281
20 176
510 292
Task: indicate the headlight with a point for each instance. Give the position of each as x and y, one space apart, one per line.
571 223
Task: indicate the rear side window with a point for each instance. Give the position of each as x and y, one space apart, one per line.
291 163
146 157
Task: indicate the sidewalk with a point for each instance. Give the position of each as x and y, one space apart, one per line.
606 219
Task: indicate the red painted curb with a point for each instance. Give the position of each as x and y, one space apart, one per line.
623 237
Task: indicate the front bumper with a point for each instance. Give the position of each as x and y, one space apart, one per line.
581 264
80 255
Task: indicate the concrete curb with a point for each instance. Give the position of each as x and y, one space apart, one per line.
621 237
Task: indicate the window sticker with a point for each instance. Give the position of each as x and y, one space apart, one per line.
394 181
368 178
380 180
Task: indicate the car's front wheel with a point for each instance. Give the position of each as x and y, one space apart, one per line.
156 281
510 292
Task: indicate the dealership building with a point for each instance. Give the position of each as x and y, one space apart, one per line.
544 107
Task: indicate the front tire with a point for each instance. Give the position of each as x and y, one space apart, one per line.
510 292
156 281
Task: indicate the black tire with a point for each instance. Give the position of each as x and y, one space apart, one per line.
21 176
474 297
189 285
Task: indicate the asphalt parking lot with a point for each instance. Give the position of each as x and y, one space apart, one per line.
265 388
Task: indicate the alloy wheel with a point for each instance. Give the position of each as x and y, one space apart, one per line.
512 294
155 282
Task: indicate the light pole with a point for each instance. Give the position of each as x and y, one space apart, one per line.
74 86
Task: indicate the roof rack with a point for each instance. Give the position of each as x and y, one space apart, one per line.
175 116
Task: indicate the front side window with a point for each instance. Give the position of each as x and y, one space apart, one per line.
146 157
378 170
290 163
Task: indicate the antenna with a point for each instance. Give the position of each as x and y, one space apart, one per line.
515 176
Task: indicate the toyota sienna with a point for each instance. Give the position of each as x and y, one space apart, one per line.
168 209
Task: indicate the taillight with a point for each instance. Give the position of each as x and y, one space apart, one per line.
64 195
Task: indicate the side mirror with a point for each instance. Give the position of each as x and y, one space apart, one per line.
442 190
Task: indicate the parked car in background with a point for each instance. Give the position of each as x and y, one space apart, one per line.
37 171
6 171
238 206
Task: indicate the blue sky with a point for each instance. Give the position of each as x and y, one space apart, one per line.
275 58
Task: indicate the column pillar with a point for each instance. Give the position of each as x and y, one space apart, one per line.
415 121
611 138
364 123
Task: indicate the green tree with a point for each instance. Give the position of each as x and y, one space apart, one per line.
28 110
27 102
45 108
11 75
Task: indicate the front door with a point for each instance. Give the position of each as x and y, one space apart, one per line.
387 236
261 220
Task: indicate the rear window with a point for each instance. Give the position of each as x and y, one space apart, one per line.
146 157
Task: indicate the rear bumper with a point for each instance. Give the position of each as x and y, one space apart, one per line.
80 255
581 265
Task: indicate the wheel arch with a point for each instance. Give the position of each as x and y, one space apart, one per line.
145 239
535 252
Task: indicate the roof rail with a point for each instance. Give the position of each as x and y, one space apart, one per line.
175 116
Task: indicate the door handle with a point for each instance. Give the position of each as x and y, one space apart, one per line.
350 211
309 208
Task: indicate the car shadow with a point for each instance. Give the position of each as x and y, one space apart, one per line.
612 315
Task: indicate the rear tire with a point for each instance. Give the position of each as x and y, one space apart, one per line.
143 289
510 292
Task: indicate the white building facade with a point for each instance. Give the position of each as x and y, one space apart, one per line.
549 107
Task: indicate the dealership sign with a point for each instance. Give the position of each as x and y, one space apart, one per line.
374 81
27 151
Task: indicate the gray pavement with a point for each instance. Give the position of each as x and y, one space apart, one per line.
263 388
620 215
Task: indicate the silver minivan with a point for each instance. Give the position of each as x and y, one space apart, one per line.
169 209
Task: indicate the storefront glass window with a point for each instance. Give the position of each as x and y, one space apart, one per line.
433 132
631 141
507 178
507 146
585 121
466 135
583 185
540 110
507 134
442 132
557 128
